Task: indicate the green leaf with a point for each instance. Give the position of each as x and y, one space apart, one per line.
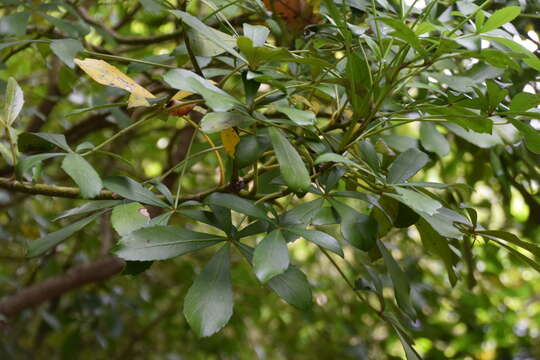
257 33
14 100
72 29
416 200
28 163
511 238
271 256
208 32
162 242
530 58
405 33
443 222
530 134
40 246
299 117
438 245
15 23
524 101
127 218
367 151
320 238
292 168
331 157
400 280
535 265
135 268
410 352
186 80
217 121
405 216
358 229
208 305
406 165
301 214
237 204
432 140
359 82
152 6
56 139
460 115
83 174
88 207
481 140
67 50
292 285
500 17
132 190
201 46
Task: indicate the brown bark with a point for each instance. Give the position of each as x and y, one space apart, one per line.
54 287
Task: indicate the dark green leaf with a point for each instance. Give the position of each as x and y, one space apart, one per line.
72 29
302 214
292 167
292 285
271 256
403 32
331 157
132 190
83 174
56 139
320 238
237 204
89 207
358 229
438 245
400 280
511 238
162 242
208 305
405 216
186 80
67 50
15 24
432 140
26 164
135 268
207 32
40 246
416 200
217 121
299 117
406 165
530 134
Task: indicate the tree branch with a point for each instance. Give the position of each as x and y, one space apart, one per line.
53 287
140 40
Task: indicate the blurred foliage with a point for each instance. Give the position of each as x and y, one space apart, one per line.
351 70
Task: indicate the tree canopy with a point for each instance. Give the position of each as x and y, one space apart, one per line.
271 179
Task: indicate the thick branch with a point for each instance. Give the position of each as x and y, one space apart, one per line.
75 193
50 190
51 288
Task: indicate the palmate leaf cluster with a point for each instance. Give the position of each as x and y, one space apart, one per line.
341 134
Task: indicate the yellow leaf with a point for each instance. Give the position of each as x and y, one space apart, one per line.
181 95
106 74
230 139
